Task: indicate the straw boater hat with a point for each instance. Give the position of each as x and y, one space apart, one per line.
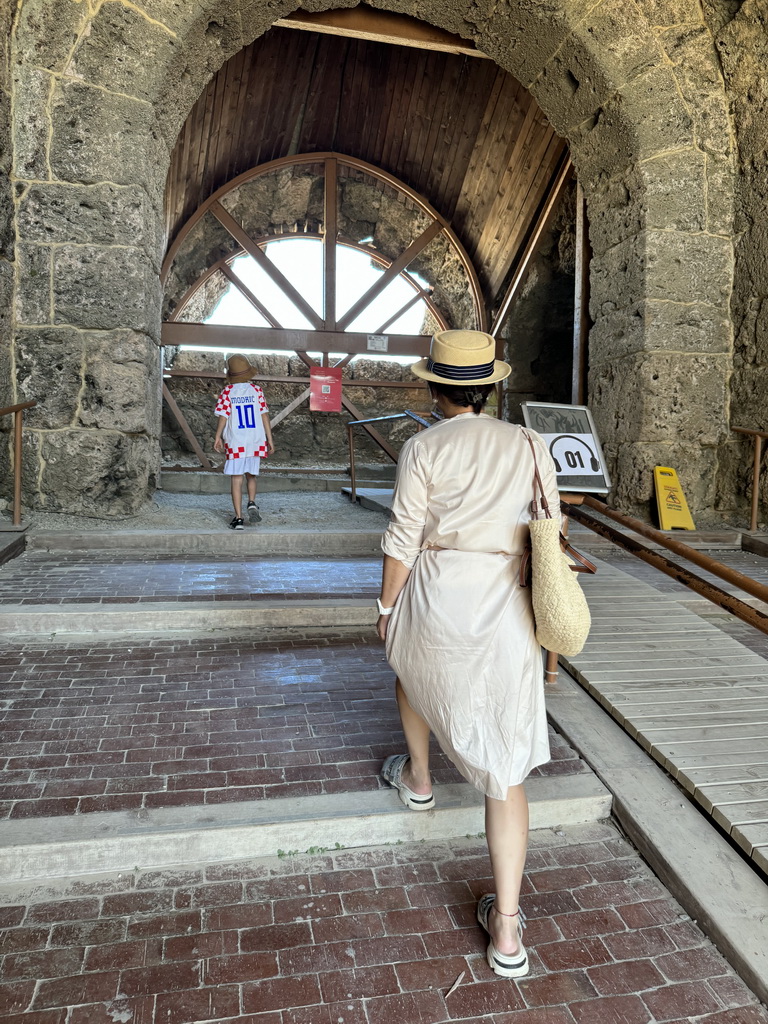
462 357
239 370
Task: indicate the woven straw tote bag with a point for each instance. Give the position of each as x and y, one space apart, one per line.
559 605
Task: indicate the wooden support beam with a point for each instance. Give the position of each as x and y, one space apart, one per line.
382 442
381 27
555 191
330 231
234 338
361 382
186 430
581 303
402 261
230 275
253 249
291 407
422 293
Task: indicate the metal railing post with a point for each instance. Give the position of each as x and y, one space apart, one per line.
352 470
17 467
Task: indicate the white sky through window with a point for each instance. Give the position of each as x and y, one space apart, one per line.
301 261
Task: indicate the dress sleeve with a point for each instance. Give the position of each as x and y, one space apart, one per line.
403 537
547 472
224 406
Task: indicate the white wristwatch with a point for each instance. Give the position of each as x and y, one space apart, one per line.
382 609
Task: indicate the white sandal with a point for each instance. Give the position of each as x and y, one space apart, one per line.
503 964
392 773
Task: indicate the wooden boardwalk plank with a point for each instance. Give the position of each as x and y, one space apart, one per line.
691 695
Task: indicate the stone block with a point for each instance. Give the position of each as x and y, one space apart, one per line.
6 303
6 142
93 214
125 52
721 187
49 370
657 326
662 265
661 13
658 115
105 287
653 397
31 123
99 136
46 31
121 376
604 146
749 396
523 37
33 284
7 233
631 466
668 191
98 472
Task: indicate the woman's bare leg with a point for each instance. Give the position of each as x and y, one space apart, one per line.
506 829
416 773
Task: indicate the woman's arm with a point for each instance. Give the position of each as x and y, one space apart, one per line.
394 576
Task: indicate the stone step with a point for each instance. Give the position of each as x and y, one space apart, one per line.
378 499
123 840
146 616
705 540
261 541
202 482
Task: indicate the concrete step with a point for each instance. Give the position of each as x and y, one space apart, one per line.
378 499
204 615
261 541
202 482
705 540
123 840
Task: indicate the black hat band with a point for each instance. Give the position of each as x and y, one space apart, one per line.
460 373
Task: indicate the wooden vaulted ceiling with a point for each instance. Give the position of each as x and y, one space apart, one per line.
454 127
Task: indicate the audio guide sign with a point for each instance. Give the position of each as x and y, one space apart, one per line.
572 440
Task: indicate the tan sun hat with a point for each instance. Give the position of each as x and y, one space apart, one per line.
239 370
462 357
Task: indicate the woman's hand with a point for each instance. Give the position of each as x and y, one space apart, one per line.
382 626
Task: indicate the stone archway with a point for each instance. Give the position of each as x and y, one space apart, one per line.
102 91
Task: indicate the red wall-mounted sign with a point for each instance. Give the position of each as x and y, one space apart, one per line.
325 389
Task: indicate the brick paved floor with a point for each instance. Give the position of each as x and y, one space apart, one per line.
370 936
42 578
134 722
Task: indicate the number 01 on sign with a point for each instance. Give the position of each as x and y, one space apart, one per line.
670 500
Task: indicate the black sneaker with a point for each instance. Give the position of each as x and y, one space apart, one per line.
253 511
237 524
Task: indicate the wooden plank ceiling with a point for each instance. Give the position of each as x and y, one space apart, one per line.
456 128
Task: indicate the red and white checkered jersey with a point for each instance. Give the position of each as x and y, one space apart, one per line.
244 436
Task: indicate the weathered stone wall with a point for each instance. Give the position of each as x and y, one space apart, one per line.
746 32
7 247
538 332
100 92
304 438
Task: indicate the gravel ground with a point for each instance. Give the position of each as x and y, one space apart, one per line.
280 510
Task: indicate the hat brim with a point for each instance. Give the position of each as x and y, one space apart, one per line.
501 370
241 378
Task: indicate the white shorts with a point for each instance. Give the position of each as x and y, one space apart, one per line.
236 467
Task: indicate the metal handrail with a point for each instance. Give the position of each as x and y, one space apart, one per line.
759 436
387 449
18 412
712 593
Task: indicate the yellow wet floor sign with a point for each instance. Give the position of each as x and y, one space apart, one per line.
670 500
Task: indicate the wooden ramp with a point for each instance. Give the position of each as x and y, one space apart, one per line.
692 696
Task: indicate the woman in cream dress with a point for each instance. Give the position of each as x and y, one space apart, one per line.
459 629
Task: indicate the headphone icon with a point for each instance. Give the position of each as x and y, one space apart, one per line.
593 460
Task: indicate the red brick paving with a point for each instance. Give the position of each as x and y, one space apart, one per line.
314 940
131 723
101 578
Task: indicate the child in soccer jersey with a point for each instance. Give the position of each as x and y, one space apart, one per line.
243 433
